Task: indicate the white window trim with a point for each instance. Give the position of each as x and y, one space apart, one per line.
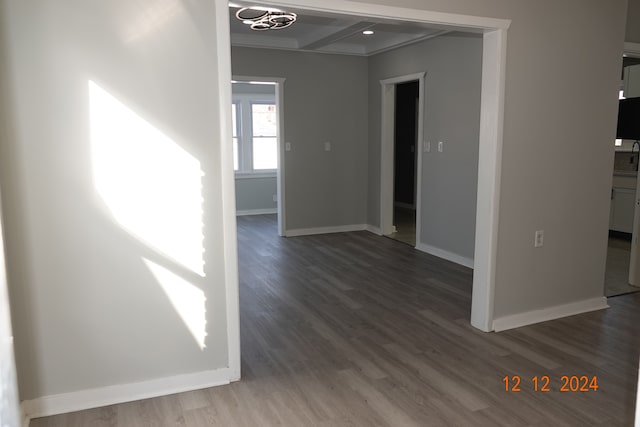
244 131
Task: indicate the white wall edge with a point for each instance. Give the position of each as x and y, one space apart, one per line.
257 212
111 395
449 256
228 184
373 229
325 230
494 61
638 402
551 313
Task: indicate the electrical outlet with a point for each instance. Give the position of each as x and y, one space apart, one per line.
427 146
539 239
327 146
440 146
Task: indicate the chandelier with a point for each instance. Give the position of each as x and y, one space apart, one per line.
262 19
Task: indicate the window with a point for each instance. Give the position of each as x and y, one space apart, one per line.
265 144
255 139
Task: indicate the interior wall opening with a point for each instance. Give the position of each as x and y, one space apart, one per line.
493 64
256 134
622 274
405 171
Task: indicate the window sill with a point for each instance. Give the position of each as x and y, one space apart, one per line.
256 175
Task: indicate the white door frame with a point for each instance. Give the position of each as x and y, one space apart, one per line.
489 168
387 143
11 413
494 32
279 81
633 50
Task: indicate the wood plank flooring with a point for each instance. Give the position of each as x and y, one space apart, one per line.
357 330
404 220
616 280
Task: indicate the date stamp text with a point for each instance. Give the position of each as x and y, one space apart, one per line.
545 383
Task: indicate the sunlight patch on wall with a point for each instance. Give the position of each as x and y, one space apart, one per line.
151 185
187 299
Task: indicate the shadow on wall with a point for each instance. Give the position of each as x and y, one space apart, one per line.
153 190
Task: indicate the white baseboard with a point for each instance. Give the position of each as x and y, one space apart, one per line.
257 212
95 398
551 313
449 256
325 230
373 229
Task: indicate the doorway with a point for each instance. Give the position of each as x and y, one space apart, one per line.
490 149
406 128
622 265
257 131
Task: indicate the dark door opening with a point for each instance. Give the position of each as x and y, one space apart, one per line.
405 162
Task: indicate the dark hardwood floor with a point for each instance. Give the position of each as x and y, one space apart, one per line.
357 330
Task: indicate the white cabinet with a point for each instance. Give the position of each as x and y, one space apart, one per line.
632 81
622 209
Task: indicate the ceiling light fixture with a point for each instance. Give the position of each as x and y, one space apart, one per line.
367 32
262 19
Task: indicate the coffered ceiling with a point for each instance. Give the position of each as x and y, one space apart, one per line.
332 33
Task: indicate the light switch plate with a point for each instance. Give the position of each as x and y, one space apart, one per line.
287 146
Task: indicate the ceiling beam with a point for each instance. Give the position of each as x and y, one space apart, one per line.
337 36
409 42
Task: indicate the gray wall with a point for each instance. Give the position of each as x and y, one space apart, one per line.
87 310
255 193
325 99
560 116
453 64
633 22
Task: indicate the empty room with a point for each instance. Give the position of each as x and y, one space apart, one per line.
204 212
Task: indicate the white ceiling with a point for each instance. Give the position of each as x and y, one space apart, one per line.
332 33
